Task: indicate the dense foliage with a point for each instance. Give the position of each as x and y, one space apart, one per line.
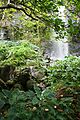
19 54
66 73
56 96
38 17
30 89
32 17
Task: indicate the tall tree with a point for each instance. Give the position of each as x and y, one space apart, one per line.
43 10
46 11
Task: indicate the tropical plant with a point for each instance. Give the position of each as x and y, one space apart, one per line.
38 15
19 54
58 101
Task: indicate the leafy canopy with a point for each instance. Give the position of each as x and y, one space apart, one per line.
19 54
45 11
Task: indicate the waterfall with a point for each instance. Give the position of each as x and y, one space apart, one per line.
60 47
63 49
1 34
4 34
57 49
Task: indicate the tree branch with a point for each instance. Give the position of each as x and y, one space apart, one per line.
24 10
9 6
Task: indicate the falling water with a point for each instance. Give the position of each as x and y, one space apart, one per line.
60 47
57 50
1 34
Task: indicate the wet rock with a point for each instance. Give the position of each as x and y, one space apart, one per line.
2 84
74 48
7 72
24 78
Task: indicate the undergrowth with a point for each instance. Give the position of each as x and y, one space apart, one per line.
19 54
55 97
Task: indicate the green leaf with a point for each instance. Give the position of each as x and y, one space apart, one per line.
35 100
2 103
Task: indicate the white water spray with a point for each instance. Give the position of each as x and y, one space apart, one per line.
1 34
59 50
60 47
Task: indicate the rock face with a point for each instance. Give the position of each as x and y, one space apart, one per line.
74 47
24 78
11 78
4 34
6 72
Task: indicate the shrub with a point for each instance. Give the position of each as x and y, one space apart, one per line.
65 72
19 54
59 101
19 105
64 80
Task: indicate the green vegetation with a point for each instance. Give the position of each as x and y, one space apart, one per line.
19 54
31 89
35 18
66 73
55 96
